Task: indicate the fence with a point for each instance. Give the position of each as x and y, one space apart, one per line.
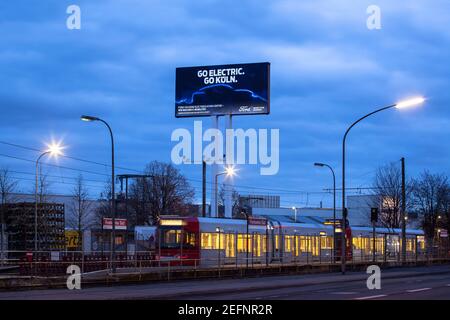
56 263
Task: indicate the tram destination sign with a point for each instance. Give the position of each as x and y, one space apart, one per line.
234 89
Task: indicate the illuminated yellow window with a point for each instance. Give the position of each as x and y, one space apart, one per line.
410 245
243 244
379 244
326 242
315 245
297 245
257 245
230 248
421 242
304 244
206 241
288 243
264 243
277 242
211 241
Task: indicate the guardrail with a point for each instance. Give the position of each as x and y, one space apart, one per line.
56 263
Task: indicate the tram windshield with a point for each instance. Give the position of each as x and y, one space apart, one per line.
175 237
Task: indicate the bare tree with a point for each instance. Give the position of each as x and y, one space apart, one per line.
387 195
431 201
7 187
79 217
103 210
165 191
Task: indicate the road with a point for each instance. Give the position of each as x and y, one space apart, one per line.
401 283
424 287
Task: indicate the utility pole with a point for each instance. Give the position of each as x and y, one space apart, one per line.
403 214
203 188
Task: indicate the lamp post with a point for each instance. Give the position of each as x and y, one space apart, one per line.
229 171
319 164
113 200
399 105
52 150
219 247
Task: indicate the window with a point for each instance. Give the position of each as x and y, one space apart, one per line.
211 241
242 243
257 245
314 242
230 248
206 241
304 244
288 243
174 238
297 245
264 243
326 242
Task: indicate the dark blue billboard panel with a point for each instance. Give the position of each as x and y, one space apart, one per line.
237 89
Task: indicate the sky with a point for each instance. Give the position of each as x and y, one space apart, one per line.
327 70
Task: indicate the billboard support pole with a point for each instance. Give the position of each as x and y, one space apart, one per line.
214 213
229 161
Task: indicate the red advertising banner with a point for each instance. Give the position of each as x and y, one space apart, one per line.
121 224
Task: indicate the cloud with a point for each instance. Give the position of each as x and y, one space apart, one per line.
327 69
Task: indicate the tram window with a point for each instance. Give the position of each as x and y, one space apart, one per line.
264 243
242 243
257 245
304 247
277 242
211 241
421 242
288 243
171 238
409 245
315 245
230 249
189 239
326 242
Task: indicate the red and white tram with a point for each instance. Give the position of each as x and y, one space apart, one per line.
213 241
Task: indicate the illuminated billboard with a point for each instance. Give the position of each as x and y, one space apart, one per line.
236 89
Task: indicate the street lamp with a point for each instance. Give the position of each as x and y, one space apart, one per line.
219 247
295 213
54 150
399 105
319 164
113 202
229 172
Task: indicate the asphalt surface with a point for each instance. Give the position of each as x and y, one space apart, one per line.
400 284
434 287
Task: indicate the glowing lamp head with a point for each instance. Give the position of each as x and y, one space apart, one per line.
55 149
230 171
409 103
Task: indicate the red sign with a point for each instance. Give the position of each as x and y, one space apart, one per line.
257 221
121 224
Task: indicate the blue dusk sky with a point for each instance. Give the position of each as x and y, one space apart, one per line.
327 69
